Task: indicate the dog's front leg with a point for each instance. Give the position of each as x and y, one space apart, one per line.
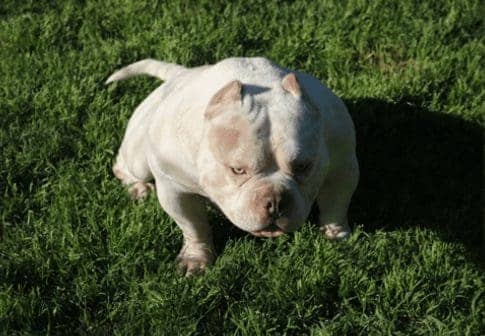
189 212
334 198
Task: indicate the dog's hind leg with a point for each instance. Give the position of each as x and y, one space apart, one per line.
136 177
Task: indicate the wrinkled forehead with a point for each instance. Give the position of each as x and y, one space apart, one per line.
248 121
295 130
236 139
259 131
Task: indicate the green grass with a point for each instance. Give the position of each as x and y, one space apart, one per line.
78 256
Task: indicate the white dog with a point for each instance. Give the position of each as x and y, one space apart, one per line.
259 141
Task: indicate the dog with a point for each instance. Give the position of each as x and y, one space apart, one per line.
259 141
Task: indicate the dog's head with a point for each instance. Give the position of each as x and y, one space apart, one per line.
263 157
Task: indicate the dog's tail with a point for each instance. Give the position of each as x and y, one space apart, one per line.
149 67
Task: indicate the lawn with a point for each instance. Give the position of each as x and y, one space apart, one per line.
78 256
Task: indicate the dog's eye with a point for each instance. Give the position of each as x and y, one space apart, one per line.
238 171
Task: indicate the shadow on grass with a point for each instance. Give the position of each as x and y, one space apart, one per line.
418 168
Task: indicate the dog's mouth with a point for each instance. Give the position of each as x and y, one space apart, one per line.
269 232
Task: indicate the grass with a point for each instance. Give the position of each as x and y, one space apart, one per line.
78 256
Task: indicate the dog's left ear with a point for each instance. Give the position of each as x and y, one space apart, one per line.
290 84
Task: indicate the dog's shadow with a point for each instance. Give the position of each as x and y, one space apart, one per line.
418 168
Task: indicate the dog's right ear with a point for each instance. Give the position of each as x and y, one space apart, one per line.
291 85
231 93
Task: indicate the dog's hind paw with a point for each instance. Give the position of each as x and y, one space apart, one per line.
140 190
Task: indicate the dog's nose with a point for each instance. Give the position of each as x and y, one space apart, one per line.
271 206
277 204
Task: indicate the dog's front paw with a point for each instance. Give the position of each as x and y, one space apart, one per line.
194 258
335 232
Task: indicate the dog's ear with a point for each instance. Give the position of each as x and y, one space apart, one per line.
290 84
231 93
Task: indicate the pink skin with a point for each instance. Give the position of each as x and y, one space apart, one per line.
267 233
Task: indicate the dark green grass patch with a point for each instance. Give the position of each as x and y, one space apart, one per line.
78 256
